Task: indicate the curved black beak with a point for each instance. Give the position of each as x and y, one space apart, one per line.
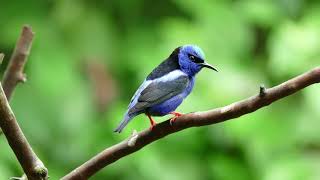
208 66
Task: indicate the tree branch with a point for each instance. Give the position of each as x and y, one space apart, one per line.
234 110
1 59
31 164
14 72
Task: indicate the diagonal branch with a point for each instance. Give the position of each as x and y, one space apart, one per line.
31 164
234 110
14 72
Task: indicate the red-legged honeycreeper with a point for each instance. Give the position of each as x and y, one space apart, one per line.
167 85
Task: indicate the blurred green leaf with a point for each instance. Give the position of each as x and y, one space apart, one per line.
251 43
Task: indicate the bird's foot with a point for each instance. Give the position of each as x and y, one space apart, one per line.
152 122
152 126
176 115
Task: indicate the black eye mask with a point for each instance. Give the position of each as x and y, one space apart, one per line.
195 59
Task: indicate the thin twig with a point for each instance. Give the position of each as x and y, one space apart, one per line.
31 164
237 109
1 59
14 72
262 91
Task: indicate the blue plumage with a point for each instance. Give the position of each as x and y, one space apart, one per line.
167 85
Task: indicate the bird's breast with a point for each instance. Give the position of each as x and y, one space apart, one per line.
189 87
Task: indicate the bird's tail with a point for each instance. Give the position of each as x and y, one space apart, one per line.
123 123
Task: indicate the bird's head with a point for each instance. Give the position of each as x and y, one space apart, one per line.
192 60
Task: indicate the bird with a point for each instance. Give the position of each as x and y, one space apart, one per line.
167 85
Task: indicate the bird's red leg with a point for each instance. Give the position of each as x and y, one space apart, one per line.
176 115
152 122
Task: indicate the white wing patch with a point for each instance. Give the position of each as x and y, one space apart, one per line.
171 76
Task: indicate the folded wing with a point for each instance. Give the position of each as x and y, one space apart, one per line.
159 91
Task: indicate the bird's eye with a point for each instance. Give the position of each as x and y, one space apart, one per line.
192 58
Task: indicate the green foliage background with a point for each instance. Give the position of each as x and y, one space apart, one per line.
250 41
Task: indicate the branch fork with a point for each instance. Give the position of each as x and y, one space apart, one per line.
31 164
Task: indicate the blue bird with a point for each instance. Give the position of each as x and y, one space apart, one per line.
167 85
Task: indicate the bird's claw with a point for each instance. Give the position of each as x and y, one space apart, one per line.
172 120
176 115
153 124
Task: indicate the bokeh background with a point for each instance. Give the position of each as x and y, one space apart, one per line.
89 57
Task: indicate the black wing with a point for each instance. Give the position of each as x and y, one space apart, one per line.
168 65
158 92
